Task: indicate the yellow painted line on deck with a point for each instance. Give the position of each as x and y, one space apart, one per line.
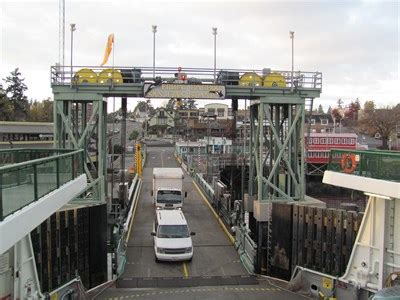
221 223
244 290
185 270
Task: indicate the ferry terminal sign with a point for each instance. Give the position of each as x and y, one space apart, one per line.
191 91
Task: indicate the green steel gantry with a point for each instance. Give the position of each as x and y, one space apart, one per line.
277 116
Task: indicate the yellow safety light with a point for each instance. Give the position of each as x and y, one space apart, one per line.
138 159
250 79
85 76
274 80
110 75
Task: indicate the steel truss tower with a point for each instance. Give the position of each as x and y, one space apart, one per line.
277 148
81 124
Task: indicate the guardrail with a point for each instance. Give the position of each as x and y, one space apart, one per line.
122 244
73 289
206 187
222 205
383 165
117 75
26 182
17 155
247 248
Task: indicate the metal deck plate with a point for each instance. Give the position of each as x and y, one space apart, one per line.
146 282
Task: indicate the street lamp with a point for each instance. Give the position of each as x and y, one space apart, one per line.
154 50
73 28
214 32
292 38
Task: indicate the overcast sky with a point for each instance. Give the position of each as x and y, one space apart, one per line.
354 43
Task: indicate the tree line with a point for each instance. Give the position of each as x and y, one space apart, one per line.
370 120
15 106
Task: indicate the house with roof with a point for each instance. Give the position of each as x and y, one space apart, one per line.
320 123
161 123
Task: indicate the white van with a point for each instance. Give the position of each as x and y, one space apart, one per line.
172 237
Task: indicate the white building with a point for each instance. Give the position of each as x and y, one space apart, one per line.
216 145
220 110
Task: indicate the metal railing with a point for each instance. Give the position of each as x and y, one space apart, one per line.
24 182
246 247
73 289
205 186
86 75
383 165
17 155
222 205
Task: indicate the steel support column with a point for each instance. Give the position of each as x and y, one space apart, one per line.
73 129
277 147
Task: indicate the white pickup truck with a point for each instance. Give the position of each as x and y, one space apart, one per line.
168 187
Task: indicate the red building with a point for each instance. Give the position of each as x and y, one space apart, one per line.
318 147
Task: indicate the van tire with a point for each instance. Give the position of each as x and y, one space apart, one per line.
156 259
190 259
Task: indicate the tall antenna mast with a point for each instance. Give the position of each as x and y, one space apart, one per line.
61 32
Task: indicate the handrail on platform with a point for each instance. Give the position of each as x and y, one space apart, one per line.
375 164
95 75
25 182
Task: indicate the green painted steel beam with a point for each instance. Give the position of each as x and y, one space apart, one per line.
87 92
293 99
256 92
92 91
77 96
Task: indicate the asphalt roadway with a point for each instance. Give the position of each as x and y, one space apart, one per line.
215 271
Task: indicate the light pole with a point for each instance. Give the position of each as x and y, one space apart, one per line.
214 32
154 50
292 38
73 28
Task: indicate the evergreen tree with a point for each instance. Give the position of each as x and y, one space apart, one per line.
15 91
5 106
320 109
134 135
190 104
171 104
369 106
41 111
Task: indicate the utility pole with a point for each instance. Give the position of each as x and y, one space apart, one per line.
73 28
61 36
154 50
215 50
292 38
244 133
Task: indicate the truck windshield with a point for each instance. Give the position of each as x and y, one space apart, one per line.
169 197
173 231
